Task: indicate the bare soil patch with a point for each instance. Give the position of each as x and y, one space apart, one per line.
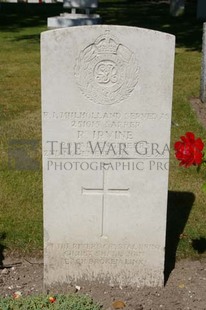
184 290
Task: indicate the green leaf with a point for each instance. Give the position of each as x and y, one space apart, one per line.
198 168
204 187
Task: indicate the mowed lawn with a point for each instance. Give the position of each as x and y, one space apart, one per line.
21 211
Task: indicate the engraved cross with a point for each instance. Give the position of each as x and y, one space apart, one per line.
103 192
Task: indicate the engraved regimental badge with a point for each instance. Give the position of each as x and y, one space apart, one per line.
106 71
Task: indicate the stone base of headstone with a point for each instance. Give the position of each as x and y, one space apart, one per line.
177 7
201 10
69 20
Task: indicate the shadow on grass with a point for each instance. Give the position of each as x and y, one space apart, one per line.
14 16
146 14
33 38
2 248
199 245
179 207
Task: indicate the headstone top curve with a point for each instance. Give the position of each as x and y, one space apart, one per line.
112 27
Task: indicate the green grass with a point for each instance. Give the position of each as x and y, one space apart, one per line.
63 302
21 191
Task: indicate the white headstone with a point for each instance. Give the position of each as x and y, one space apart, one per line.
72 19
75 19
106 104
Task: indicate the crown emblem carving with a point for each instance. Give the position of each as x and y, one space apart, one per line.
106 71
106 44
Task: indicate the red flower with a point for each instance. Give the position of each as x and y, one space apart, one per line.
189 150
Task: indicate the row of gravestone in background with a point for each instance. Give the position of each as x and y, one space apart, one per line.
177 8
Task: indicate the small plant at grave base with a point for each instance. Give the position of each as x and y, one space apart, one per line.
17 295
190 152
57 302
52 299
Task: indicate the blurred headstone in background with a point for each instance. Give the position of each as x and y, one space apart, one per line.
177 7
75 18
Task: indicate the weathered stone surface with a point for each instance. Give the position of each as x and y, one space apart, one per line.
106 107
